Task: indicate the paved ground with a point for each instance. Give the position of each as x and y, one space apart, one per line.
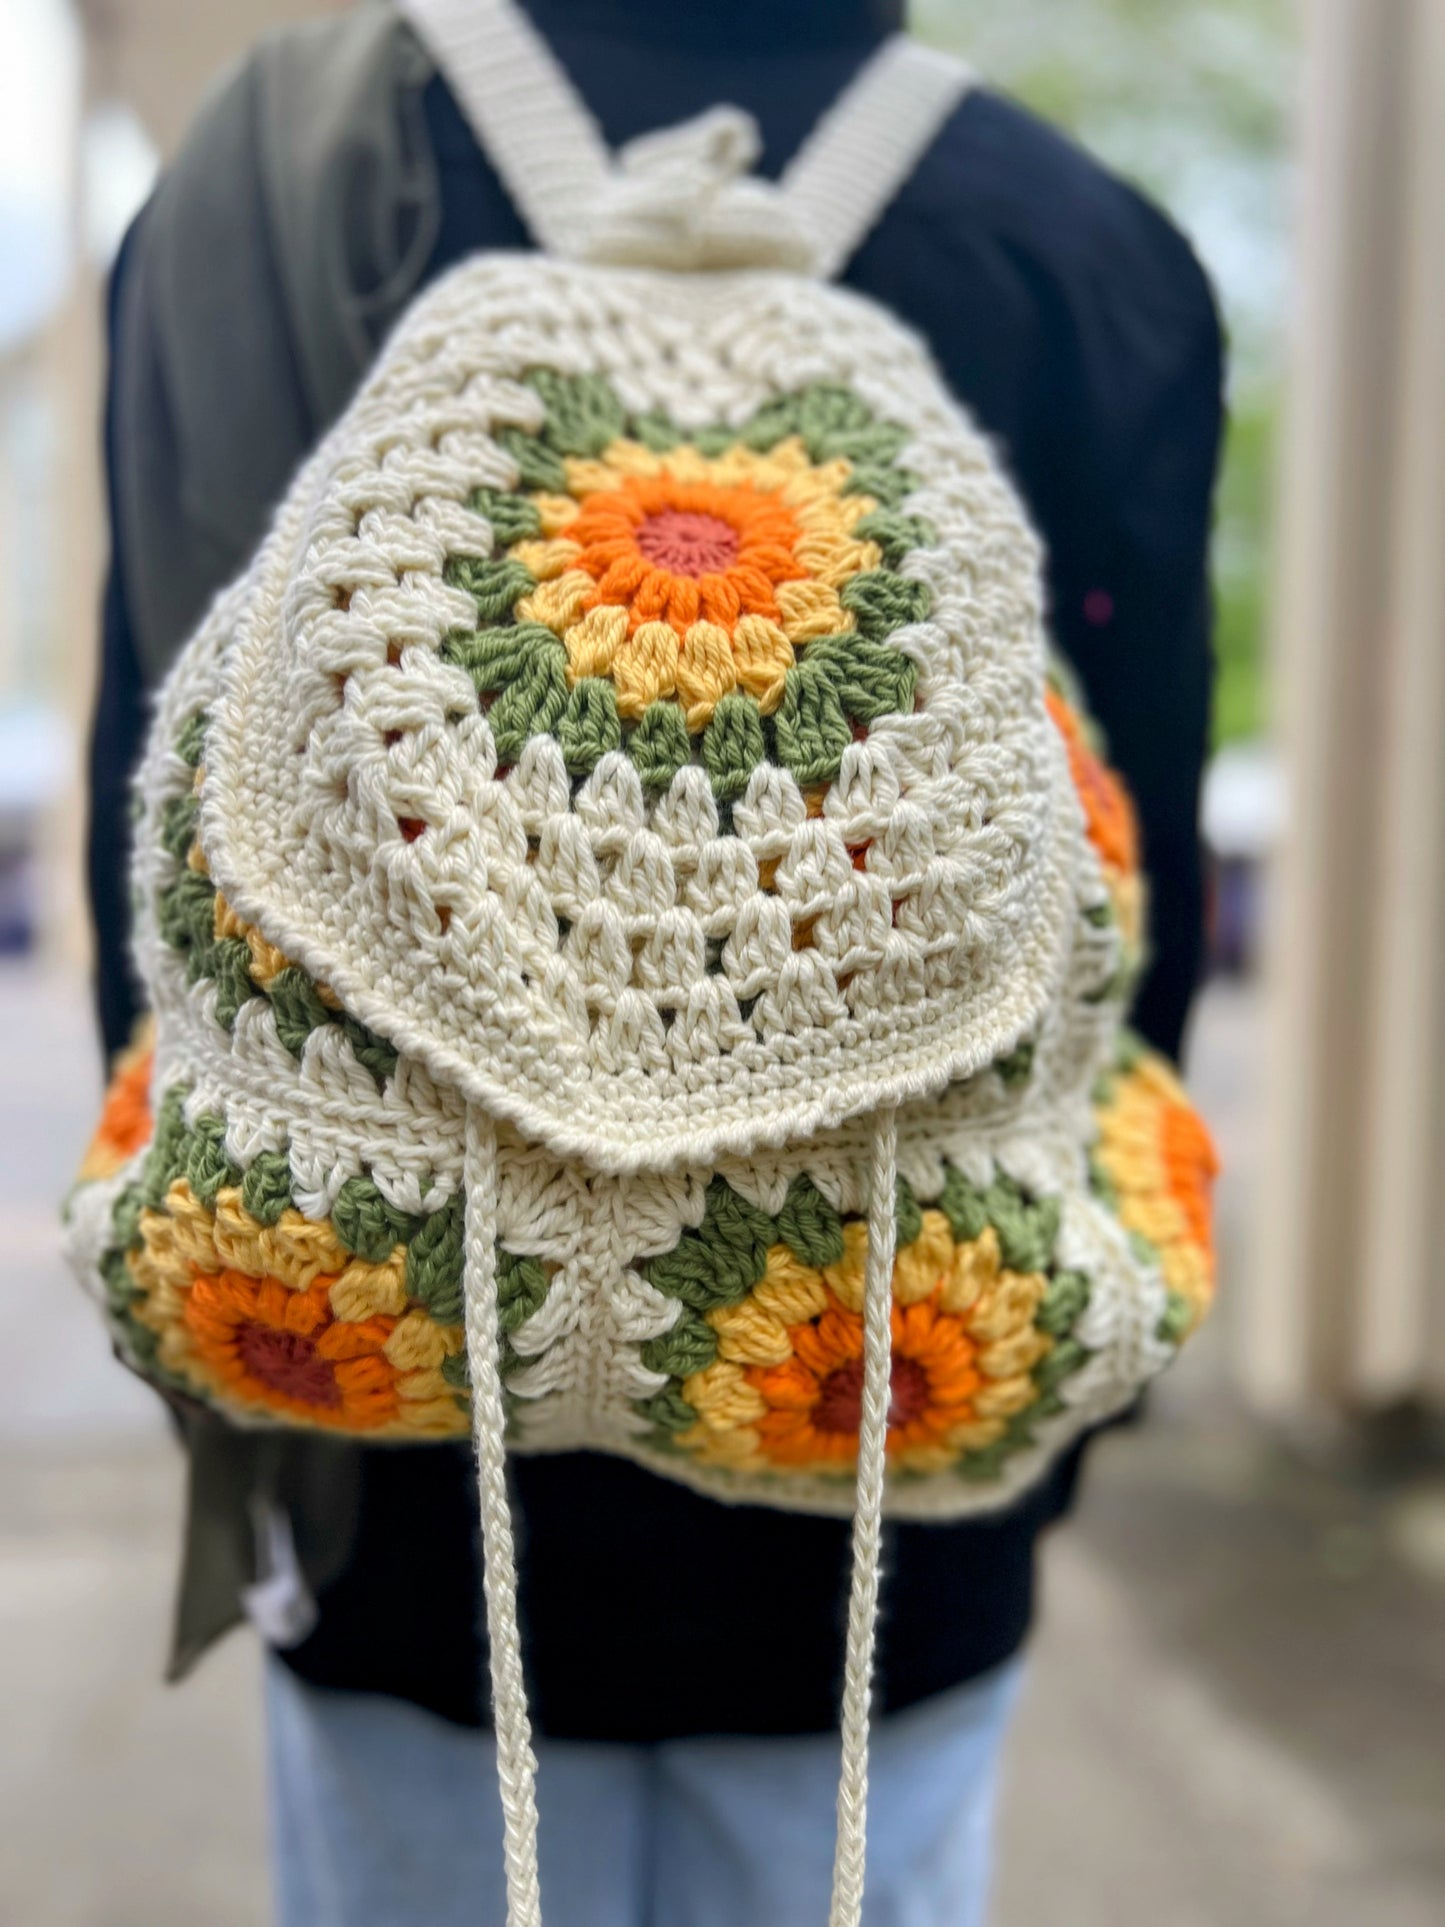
1236 1716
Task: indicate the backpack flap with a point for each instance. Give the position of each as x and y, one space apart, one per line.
637 716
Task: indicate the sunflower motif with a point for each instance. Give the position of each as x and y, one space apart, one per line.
786 1389
766 1356
282 1319
125 1119
263 1344
1109 816
732 591
684 576
219 1287
1156 1164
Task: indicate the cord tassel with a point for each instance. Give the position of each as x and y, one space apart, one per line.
516 1762
851 1850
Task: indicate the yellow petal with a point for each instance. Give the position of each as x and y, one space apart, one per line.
368 1291
977 1434
845 1279
817 480
422 1385
810 609
791 455
558 604
685 464
157 1266
763 656
555 511
1008 1305
1005 1397
706 672
1187 1271
921 1267
791 1290
416 1344
185 1228
645 668
1007 1357
750 1334
546 560
627 457
975 1267
736 1449
439 1417
593 642
589 475
722 1397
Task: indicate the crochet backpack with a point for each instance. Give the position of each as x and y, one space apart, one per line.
637 932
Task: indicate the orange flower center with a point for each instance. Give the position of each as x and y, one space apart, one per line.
687 542
680 552
289 1363
840 1397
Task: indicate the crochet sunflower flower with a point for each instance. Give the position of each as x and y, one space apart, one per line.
731 591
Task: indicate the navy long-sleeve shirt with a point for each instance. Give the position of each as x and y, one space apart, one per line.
1075 324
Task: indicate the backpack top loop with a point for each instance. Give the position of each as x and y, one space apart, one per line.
676 198
680 198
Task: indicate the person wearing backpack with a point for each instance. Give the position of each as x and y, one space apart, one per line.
618 884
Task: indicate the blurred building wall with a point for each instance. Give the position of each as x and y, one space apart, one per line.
161 56
1346 1305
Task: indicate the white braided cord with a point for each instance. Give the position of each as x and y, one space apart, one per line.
516 1762
851 1851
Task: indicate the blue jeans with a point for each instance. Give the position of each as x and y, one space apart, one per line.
384 1816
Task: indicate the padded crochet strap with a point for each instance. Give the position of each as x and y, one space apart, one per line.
846 173
536 129
680 198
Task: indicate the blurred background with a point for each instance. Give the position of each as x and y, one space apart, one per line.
1246 1620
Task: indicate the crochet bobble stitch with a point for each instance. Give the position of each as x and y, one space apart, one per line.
651 735
691 651
220 1287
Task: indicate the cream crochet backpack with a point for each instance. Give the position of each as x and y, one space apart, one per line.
637 935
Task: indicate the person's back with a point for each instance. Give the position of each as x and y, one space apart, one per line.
1074 324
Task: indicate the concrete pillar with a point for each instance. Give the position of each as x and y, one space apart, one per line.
1344 1305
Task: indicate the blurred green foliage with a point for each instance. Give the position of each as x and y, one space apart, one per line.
1193 103
1241 568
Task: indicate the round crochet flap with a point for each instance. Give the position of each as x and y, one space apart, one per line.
638 716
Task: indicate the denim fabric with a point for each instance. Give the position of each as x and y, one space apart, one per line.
385 1816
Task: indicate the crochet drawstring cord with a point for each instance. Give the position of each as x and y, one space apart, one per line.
516 1760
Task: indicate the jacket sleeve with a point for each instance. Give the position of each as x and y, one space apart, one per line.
205 416
1073 319
1129 575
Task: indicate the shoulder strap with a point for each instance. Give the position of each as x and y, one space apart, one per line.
864 148
548 149
532 123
